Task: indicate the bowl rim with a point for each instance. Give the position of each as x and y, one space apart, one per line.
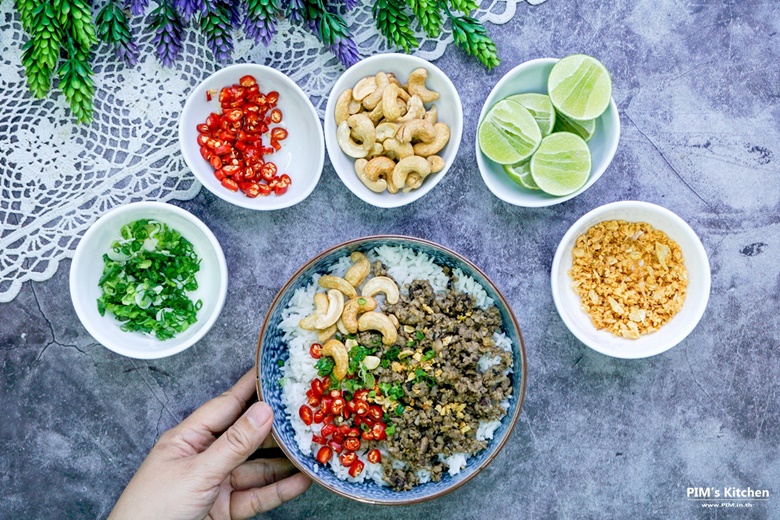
132 207
247 202
612 143
521 348
577 227
395 200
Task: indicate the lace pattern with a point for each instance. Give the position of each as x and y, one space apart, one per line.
57 176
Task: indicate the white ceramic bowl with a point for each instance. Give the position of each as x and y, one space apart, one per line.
677 329
301 157
531 76
87 268
448 105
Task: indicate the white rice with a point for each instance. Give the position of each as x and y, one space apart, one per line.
404 265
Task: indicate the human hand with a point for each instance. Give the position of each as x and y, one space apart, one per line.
193 472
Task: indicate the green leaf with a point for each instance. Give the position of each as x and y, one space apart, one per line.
394 23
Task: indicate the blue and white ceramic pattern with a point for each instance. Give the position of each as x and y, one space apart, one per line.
271 349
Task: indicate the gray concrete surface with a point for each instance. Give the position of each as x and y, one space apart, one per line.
698 88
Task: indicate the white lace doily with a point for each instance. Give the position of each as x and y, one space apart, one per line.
58 176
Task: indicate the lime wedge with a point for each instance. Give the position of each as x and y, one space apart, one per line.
561 165
584 129
521 174
509 133
540 107
580 87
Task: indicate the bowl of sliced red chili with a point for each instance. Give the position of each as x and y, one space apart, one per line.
251 136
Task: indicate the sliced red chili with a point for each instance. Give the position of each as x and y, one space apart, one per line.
319 440
379 431
324 455
351 444
348 458
328 430
306 414
375 412
318 417
247 81
335 446
338 405
374 456
317 388
356 468
230 184
315 350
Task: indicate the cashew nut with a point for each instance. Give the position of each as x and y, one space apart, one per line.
373 99
414 109
432 115
341 112
394 320
385 131
320 306
336 349
413 181
335 308
441 139
407 165
339 284
390 101
354 307
354 106
416 130
347 145
379 322
382 284
391 77
363 88
378 185
380 167
397 150
359 269
376 114
437 163
341 327
376 151
416 85
325 334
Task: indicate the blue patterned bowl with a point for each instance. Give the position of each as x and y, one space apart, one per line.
270 349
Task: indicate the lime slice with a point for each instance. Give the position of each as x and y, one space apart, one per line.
584 129
540 107
521 174
580 87
561 165
509 133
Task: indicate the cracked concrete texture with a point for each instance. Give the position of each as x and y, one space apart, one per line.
697 89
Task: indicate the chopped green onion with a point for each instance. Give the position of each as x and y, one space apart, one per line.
280 362
325 366
429 355
420 335
399 409
361 301
390 430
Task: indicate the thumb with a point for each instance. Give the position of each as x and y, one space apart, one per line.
240 441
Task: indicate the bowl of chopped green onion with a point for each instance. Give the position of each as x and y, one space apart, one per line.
148 280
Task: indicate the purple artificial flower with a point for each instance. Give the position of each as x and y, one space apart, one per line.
168 33
261 30
346 51
137 7
222 47
127 52
349 4
293 10
188 8
234 8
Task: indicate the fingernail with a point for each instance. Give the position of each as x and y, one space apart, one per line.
259 414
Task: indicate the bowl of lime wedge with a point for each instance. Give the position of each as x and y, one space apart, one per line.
548 130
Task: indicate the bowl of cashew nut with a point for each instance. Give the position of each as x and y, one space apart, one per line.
393 124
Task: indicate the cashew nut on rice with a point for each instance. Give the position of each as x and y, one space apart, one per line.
320 306
378 185
379 322
355 306
335 308
357 272
334 282
439 141
336 349
325 334
341 112
410 164
341 327
397 150
363 88
382 284
414 109
395 321
415 85
373 99
418 130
